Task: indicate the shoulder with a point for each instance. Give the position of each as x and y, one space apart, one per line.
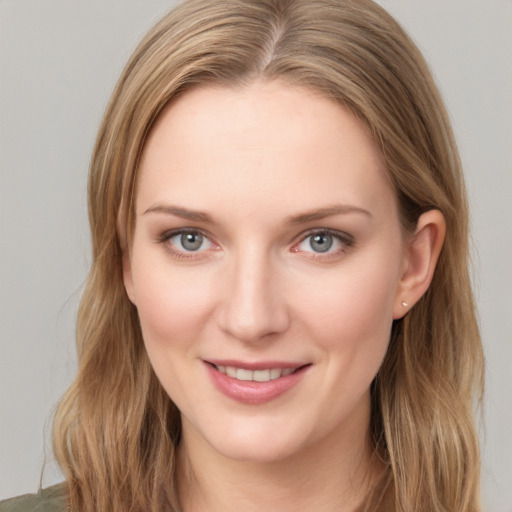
51 499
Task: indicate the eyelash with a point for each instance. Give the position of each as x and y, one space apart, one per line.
179 254
347 241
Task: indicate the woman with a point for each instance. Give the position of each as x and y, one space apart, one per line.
279 313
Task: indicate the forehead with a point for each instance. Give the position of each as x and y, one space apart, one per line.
264 143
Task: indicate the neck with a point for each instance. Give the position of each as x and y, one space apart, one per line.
330 475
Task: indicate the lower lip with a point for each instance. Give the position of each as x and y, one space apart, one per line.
254 393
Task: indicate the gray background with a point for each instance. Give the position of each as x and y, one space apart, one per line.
59 60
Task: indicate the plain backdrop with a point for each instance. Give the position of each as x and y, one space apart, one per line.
59 60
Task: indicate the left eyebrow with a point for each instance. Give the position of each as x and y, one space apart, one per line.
313 215
178 211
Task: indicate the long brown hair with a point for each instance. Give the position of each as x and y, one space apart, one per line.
116 430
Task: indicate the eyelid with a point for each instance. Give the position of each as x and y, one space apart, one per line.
342 235
167 235
344 238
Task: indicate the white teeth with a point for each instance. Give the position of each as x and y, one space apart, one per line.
275 373
256 375
261 375
242 374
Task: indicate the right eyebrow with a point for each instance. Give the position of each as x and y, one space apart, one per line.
178 211
322 213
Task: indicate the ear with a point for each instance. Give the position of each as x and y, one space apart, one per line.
421 255
127 277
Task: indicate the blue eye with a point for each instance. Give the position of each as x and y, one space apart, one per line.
189 241
324 242
321 242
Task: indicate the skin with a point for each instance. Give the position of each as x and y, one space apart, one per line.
251 160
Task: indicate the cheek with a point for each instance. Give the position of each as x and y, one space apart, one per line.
173 307
172 304
352 312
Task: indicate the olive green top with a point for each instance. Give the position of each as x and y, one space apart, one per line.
51 499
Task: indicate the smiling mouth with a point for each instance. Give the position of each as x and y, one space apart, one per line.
263 375
255 383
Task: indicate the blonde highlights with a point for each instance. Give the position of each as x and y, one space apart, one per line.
116 430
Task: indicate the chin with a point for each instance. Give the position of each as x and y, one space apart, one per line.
259 442
258 451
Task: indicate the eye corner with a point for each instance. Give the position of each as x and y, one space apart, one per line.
175 243
338 244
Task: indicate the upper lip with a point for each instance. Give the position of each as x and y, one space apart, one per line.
255 365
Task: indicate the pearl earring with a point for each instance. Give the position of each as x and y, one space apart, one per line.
404 304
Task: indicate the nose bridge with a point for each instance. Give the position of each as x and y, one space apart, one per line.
254 305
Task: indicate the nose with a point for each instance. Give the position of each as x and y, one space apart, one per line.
254 304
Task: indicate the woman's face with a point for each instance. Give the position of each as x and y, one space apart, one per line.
265 267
